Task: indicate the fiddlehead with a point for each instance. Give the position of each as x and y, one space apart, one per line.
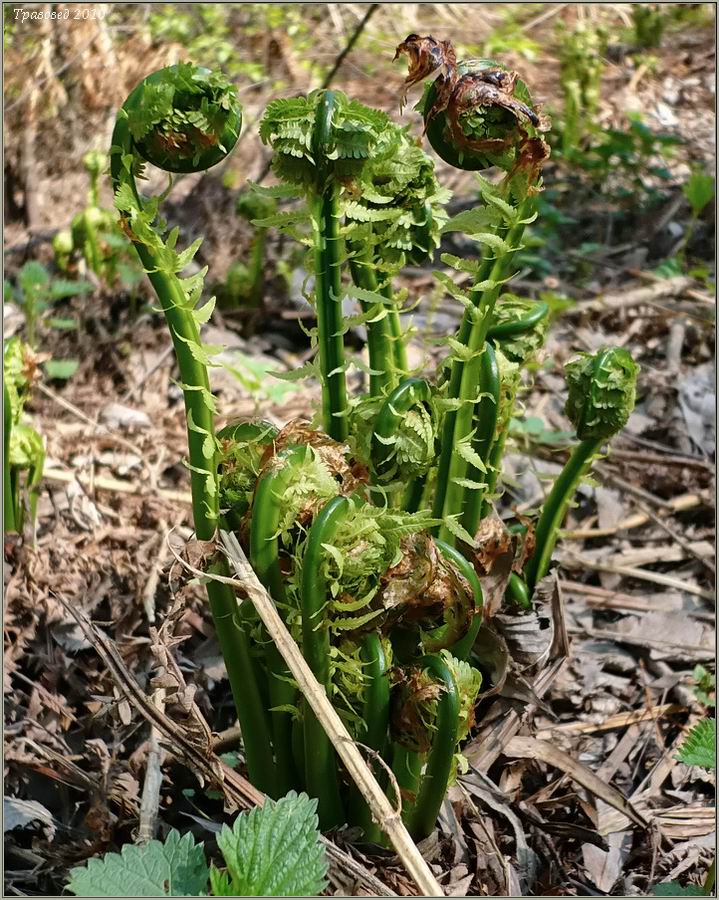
186 119
432 711
476 114
320 142
602 391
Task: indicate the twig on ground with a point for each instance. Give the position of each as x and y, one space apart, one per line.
103 483
386 816
96 426
150 802
620 720
148 594
678 504
579 560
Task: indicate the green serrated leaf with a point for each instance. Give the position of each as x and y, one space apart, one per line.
674 889
174 868
275 851
459 531
699 747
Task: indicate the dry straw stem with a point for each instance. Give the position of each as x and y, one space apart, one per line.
383 812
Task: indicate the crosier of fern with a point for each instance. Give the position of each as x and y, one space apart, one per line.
186 119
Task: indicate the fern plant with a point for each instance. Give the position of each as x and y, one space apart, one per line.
365 526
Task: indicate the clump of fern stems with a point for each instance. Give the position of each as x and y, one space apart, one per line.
364 525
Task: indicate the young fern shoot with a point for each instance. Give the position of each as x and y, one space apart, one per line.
186 119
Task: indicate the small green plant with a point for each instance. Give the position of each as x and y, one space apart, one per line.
251 848
698 749
23 446
35 293
581 66
244 283
95 237
365 526
648 22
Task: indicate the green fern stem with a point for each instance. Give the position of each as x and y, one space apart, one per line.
555 508
485 422
518 592
320 757
379 343
328 280
421 816
394 323
9 516
373 732
464 376
389 421
453 386
194 377
460 647
267 509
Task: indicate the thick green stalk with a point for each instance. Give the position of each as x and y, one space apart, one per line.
267 510
461 647
464 376
379 343
399 347
440 760
407 770
373 734
233 641
320 757
328 281
9 517
485 422
517 592
555 508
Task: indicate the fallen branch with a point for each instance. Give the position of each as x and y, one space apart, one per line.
384 814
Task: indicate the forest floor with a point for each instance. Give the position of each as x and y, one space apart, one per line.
574 787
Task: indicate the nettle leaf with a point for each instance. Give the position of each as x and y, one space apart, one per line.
275 851
173 868
699 748
674 889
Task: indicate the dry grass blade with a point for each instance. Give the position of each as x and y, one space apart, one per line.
525 747
386 816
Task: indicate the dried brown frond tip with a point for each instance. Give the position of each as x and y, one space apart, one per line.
426 56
